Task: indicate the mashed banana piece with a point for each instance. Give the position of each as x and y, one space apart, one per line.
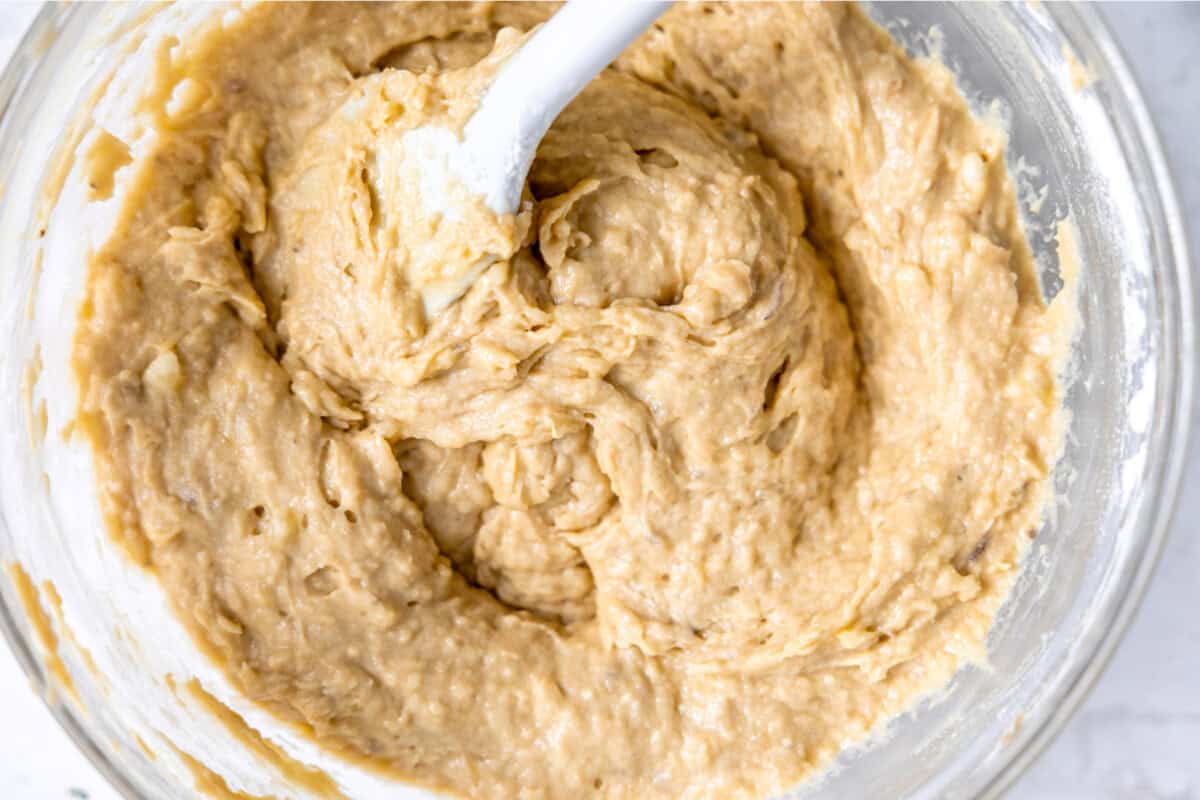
730 462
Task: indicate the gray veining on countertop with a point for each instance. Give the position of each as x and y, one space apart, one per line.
1137 737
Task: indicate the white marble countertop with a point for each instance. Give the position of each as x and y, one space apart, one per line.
1138 735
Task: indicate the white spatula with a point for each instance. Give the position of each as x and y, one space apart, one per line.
493 156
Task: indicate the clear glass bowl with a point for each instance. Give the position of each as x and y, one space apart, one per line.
1081 143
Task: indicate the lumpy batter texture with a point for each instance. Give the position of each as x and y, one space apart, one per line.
730 462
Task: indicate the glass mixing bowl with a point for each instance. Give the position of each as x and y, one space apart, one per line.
1081 145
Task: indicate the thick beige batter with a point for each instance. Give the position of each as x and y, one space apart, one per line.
731 462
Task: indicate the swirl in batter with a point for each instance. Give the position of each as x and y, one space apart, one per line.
730 462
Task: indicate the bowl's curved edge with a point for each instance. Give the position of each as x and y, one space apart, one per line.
1179 395
51 17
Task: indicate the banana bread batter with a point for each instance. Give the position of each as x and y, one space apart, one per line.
732 461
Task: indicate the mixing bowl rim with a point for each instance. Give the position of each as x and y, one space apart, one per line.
1176 431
